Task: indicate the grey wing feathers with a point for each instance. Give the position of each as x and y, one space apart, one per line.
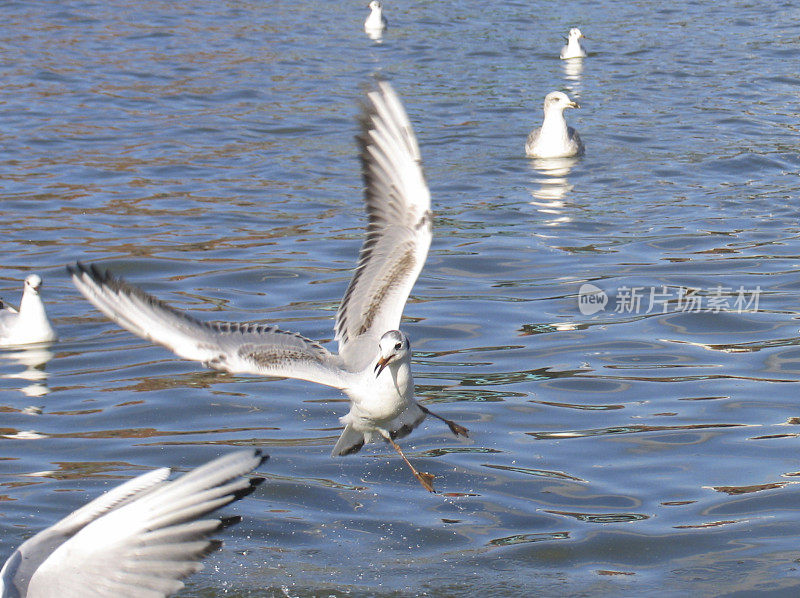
532 137
144 547
231 347
576 139
399 226
8 316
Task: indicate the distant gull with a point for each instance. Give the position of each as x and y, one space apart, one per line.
573 49
554 139
373 366
138 539
30 324
375 22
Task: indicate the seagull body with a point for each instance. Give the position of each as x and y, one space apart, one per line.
373 366
137 540
554 139
30 324
573 49
375 22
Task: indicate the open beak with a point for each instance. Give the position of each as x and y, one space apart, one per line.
574 105
382 362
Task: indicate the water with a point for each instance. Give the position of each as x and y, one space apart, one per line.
206 153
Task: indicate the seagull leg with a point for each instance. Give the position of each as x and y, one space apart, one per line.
454 427
426 479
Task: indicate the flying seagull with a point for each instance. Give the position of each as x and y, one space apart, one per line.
137 540
373 366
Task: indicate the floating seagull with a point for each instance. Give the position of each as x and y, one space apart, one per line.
573 49
375 22
138 539
30 324
554 139
373 366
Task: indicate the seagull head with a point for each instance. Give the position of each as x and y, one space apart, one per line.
374 5
558 100
393 346
575 33
32 284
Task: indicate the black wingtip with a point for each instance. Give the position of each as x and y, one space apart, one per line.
78 269
226 522
253 483
264 458
212 546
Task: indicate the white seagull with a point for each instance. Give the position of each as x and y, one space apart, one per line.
573 49
554 139
373 366
375 22
137 540
30 324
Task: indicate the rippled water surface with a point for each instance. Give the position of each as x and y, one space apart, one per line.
205 152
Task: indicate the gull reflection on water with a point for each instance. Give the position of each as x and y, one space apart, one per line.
375 35
552 185
33 359
573 68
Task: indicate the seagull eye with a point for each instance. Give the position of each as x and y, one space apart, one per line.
398 346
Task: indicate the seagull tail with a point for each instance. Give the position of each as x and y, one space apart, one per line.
349 442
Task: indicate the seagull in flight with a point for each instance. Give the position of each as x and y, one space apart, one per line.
138 539
373 366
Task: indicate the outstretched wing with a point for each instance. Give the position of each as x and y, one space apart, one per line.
143 547
24 562
235 348
399 226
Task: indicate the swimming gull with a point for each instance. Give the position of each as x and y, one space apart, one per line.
137 540
373 366
573 49
375 22
554 139
30 324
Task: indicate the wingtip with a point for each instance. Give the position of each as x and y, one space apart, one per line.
213 545
226 522
76 270
252 484
264 457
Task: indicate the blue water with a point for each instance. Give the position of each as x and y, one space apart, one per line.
205 152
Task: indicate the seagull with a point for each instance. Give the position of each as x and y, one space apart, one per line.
375 22
29 325
554 139
573 49
138 539
373 366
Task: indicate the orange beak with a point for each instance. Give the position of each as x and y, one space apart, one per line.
382 363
